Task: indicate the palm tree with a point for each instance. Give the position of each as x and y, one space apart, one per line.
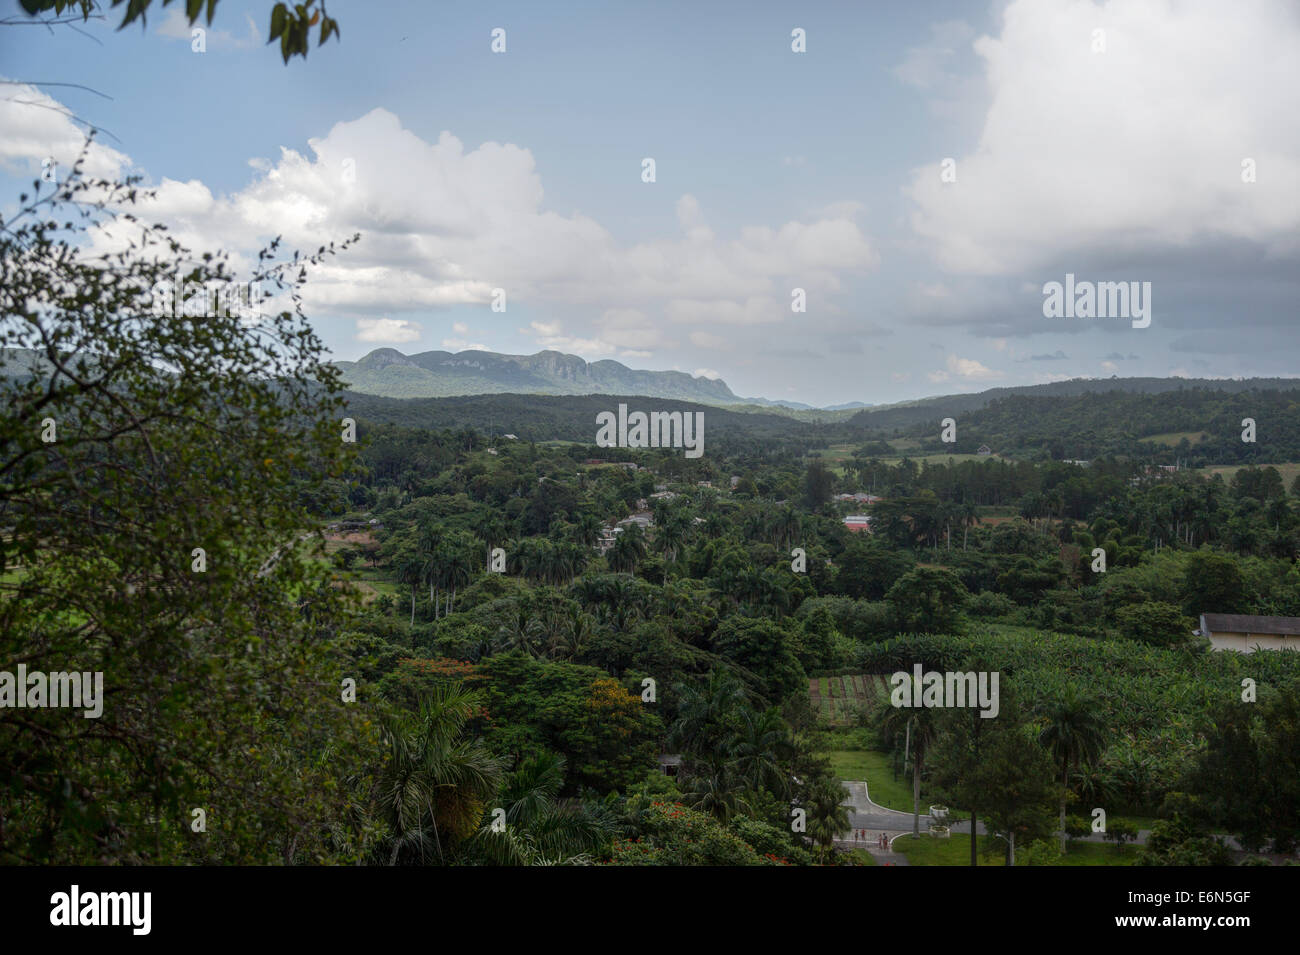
459 569
784 527
628 550
707 713
713 785
670 535
586 530
540 828
1073 734
970 516
759 748
917 725
568 641
827 816
409 567
436 781
521 630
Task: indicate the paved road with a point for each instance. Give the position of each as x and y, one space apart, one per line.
865 814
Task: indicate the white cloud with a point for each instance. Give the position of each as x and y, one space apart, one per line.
390 331
443 225
38 127
706 373
1136 147
966 369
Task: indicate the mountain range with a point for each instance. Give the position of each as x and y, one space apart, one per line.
439 374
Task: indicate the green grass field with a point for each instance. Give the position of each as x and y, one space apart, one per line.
955 850
1289 470
837 455
851 759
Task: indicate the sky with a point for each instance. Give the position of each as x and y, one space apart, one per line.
921 171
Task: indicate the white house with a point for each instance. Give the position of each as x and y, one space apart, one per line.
1246 634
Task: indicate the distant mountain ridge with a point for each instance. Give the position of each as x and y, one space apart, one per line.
438 374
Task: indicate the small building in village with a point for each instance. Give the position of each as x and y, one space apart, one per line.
858 523
1246 634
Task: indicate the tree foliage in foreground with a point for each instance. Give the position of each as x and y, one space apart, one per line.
291 25
148 475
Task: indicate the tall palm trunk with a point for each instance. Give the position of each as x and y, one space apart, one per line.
915 795
1065 780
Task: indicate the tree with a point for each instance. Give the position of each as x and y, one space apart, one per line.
628 550
1073 733
827 817
290 24
541 829
919 728
867 570
149 477
1248 775
1154 622
818 482
759 751
928 600
1180 842
1120 831
436 782
1213 583
765 649
1015 778
708 713
957 760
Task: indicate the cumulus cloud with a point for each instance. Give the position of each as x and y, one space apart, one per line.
38 127
388 331
443 226
1126 149
963 369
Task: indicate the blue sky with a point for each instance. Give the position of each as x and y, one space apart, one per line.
774 170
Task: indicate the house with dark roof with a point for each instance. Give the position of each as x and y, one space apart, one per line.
1246 634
